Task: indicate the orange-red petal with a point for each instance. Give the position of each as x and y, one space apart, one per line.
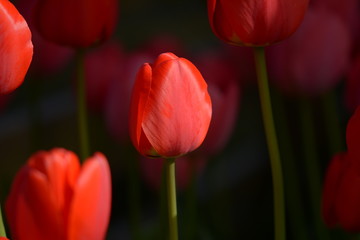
90 210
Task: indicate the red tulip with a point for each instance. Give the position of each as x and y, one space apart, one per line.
3 238
52 197
308 63
78 23
341 193
15 47
255 22
170 108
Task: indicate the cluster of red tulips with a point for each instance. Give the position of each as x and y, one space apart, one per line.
180 115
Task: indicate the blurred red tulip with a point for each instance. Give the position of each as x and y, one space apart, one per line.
102 66
3 238
352 87
52 197
314 59
255 22
347 10
79 23
170 108
15 46
48 56
341 193
222 79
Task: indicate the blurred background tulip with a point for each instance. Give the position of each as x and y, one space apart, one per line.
341 193
15 46
72 24
52 196
255 23
314 59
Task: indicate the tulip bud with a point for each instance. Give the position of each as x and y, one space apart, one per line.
53 197
170 109
15 47
79 23
255 22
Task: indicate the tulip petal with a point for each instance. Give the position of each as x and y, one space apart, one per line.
91 203
18 213
16 48
139 100
178 110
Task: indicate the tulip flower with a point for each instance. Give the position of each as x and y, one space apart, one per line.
15 47
79 23
307 63
3 238
341 193
170 109
53 197
255 22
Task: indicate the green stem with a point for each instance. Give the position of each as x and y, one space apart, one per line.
2 228
277 177
81 104
171 198
312 166
293 196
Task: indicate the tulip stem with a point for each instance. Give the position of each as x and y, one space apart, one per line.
81 104
2 228
171 198
274 154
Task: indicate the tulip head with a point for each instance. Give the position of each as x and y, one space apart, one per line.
16 48
79 23
53 197
255 22
170 109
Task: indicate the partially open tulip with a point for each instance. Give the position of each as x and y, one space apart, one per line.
170 108
314 59
341 193
53 197
15 47
255 22
79 23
